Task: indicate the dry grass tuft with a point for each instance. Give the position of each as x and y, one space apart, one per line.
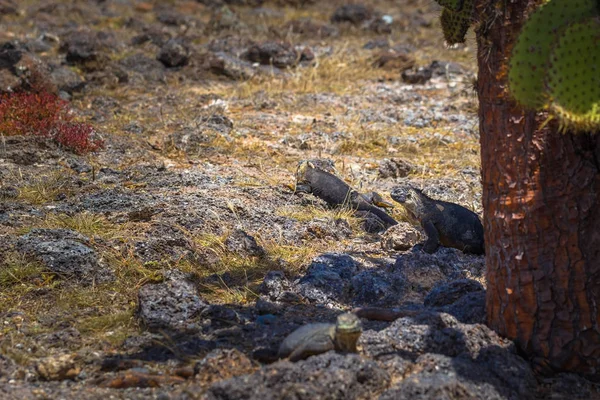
44 188
90 225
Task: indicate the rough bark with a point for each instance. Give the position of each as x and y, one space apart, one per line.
541 195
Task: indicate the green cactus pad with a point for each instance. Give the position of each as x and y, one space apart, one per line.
530 57
455 24
454 5
573 79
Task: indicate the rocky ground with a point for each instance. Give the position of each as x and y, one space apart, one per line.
157 266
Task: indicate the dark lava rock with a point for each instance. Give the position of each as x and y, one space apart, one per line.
34 74
274 285
394 61
193 139
378 43
66 79
169 305
265 307
190 140
105 103
571 386
37 46
221 63
7 366
381 24
353 13
463 298
163 244
22 70
219 3
69 337
223 18
277 53
148 68
242 244
28 150
376 287
326 228
87 49
447 293
328 277
170 17
469 309
8 7
431 332
419 76
308 27
221 364
424 271
8 81
395 168
112 76
400 237
494 374
174 53
326 376
151 347
134 127
10 54
155 36
65 253
234 45
113 200
442 68
220 315
370 223
217 122
8 192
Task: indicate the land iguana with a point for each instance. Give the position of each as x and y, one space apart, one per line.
313 339
444 223
313 178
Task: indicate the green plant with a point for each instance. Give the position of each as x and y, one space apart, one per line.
576 100
456 18
529 62
554 63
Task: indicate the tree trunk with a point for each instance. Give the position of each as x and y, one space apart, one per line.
541 196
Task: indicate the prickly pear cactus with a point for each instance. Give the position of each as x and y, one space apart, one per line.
573 79
456 18
555 63
454 5
530 57
454 26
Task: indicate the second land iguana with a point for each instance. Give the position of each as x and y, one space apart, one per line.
448 224
310 178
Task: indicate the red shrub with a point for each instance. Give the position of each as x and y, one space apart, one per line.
46 115
77 137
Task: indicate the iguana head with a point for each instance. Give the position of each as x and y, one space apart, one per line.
348 329
411 198
323 164
304 166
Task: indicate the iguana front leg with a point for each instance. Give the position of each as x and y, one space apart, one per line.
303 188
433 237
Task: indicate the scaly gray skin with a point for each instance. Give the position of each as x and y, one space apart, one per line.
315 339
444 223
325 185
